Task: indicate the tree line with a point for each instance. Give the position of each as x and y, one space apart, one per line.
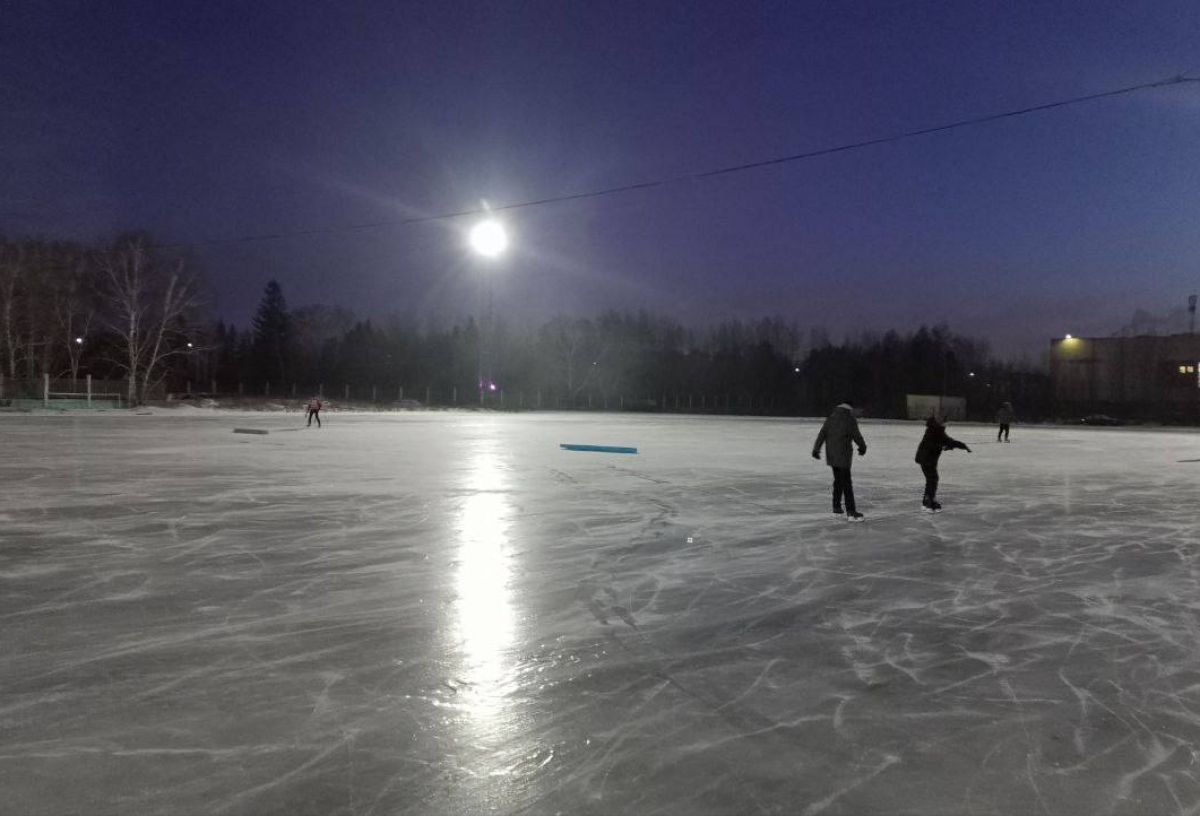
126 311
122 311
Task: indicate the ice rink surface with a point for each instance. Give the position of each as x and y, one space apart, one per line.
444 613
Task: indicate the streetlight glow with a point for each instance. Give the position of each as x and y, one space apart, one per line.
79 341
488 238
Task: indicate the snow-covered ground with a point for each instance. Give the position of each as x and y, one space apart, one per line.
446 613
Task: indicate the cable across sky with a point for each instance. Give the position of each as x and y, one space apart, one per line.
694 176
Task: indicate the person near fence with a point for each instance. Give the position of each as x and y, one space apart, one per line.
314 411
837 434
929 451
1005 418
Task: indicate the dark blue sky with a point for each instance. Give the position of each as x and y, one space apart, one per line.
206 120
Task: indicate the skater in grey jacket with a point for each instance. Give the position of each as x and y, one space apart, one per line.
837 434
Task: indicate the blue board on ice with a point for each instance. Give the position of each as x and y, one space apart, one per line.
598 448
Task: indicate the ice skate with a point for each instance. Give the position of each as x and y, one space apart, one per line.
852 516
837 510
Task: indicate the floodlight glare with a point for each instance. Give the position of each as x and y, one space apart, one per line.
488 238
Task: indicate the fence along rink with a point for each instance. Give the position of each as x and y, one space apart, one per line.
89 397
62 393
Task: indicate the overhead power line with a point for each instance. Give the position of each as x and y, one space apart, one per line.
695 176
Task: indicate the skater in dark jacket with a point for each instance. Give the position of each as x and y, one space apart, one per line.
1004 417
929 451
837 434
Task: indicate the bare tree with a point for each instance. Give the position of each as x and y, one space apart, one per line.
37 321
575 350
148 304
75 308
12 265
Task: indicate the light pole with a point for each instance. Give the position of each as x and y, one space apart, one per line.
489 239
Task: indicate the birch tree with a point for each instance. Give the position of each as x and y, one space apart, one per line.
12 265
574 349
148 303
75 309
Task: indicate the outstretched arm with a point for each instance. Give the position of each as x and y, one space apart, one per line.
816 453
951 444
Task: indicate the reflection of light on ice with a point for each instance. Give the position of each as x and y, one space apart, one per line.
484 606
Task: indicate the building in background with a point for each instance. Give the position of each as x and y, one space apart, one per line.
1132 378
923 406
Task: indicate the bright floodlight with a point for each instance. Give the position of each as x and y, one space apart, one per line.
488 238
79 341
1068 337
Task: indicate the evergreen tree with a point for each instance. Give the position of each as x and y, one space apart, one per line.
272 336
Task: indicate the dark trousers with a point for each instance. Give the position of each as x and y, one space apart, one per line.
931 483
1003 432
314 413
843 486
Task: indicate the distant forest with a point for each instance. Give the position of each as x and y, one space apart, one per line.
128 312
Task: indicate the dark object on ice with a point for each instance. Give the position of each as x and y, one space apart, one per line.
929 451
837 434
598 448
250 431
1100 419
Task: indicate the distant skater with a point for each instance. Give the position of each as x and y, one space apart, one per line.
838 432
929 451
314 411
1005 417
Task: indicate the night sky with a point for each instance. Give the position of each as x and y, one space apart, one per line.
201 121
